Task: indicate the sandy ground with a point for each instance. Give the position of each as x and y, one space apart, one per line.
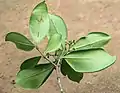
81 17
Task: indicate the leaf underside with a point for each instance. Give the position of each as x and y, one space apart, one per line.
39 22
57 25
54 43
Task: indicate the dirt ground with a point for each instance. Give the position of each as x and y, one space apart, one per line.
81 17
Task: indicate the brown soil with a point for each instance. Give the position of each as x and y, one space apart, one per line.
81 17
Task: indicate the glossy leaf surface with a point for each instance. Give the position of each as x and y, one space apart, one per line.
33 78
89 60
91 41
21 41
70 73
30 63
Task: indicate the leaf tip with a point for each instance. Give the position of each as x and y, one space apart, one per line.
6 37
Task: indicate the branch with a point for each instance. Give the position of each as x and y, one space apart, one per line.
58 78
58 71
45 56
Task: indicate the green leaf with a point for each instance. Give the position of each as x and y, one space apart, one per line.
52 30
57 25
21 41
89 60
39 22
91 41
30 63
70 73
33 78
54 43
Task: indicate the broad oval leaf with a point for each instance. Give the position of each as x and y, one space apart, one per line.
39 22
91 41
21 41
89 60
54 43
30 63
66 70
58 26
33 78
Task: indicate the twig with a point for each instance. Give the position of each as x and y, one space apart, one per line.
58 78
58 72
57 68
45 57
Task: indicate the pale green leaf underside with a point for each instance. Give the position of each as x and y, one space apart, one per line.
39 22
54 43
91 41
52 30
33 78
57 25
89 60
30 63
21 41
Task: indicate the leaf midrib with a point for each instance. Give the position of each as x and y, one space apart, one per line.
88 44
34 75
24 43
